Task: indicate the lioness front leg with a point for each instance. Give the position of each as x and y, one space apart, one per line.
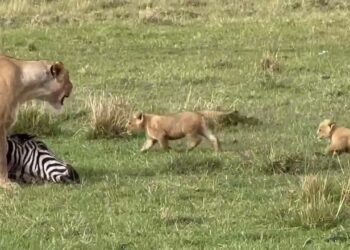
214 140
4 180
164 143
148 144
195 140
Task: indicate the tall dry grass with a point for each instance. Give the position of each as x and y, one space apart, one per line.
108 116
317 204
43 12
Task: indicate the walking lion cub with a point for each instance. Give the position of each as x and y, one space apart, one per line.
162 128
339 137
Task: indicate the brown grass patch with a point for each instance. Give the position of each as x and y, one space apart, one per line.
316 204
108 116
107 4
270 63
193 3
345 194
155 15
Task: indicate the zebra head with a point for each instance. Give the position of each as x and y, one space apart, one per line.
30 159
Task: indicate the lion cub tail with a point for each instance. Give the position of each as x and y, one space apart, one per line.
212 114
217 118
227 118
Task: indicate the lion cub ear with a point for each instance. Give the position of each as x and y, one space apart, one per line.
56 68
331 124
138 116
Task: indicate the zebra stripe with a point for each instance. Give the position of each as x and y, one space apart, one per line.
30 160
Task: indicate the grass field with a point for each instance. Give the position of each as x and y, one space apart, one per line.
269 189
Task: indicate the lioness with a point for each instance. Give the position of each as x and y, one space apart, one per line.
21 81
339 137
161 128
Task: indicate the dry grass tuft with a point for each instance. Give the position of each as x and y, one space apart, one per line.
345 193
270 63
108 116
193 3
154 15
198 103
166 214
316 207
108 4
315 204
314 188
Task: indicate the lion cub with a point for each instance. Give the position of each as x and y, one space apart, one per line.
161 128
339 137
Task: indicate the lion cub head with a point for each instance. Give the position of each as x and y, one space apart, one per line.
136 123
325 128
57 87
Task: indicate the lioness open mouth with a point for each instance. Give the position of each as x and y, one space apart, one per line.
62 100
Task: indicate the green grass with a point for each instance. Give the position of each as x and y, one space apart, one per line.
239 199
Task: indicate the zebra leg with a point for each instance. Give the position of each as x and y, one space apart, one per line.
29 179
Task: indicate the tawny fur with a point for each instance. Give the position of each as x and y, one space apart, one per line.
21 81
339 137
162 128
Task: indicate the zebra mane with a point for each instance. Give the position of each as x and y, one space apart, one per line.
23 138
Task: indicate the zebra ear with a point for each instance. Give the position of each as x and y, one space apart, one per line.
56 69
22 138
73 174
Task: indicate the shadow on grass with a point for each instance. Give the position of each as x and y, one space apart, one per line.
184 220
94 175
206 80
298 163
172 163
188 163
138 172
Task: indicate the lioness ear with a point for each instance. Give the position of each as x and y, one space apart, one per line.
56 68
332 124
